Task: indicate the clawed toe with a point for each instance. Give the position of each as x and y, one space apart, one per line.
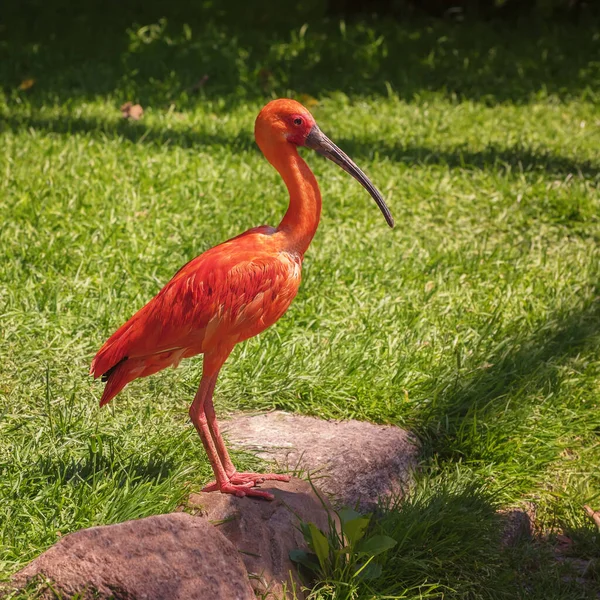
245 490
213 486
243 484
256 478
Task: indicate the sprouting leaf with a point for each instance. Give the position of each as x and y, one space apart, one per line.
320 545
304 528
354 530
376 545
348 514
306 559
368 572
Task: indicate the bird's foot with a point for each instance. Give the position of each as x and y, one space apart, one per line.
239 490
256 478
213 486
243 484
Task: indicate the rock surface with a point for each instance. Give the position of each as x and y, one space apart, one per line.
242 543
165 557
353 461
265 532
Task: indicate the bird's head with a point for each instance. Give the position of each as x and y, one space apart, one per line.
286 121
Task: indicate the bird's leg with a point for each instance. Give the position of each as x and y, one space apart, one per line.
198 416
234 476
223 482
211 417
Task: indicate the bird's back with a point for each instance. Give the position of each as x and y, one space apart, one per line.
226 295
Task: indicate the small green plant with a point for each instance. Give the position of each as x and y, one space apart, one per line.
345 553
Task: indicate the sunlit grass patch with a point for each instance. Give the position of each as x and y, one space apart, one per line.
475 322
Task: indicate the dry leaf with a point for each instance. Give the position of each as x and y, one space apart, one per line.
132 111
265 78
563 542
308 100
26 84
199 84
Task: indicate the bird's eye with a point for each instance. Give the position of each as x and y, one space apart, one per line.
298 121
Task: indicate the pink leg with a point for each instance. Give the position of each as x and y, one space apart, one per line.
211 417
234 476
223 481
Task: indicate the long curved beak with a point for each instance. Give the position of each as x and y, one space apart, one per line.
318 141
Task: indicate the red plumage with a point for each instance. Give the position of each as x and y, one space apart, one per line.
231 292
224 296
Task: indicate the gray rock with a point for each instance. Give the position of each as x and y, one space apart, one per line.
241 540
165 557
355 462
265 532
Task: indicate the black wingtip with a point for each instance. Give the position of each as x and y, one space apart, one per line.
105 376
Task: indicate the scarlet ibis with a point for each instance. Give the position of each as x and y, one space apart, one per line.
233 291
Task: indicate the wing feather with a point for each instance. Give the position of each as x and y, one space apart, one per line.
230 292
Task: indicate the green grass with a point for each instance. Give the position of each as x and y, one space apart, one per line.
476 322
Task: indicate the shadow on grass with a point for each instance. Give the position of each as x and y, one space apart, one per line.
515 158
451 542
157 53
452 535
447 534
130 471
522 368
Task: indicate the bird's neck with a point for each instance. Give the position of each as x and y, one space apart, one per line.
301 219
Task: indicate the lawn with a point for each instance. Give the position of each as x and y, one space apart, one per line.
475 322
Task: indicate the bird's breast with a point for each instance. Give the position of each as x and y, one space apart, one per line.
258 297
269 304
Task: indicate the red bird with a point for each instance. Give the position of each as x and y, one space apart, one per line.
233 291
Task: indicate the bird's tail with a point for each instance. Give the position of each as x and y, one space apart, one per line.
128 369
112 362
119 376
116 380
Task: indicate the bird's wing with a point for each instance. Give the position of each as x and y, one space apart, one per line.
230 292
